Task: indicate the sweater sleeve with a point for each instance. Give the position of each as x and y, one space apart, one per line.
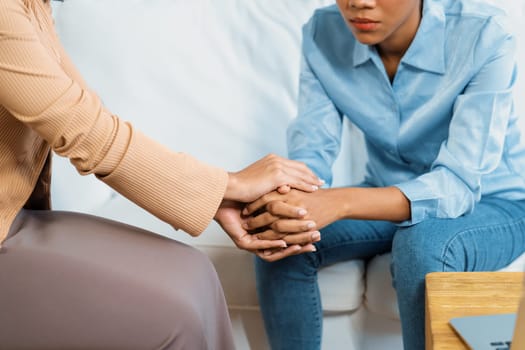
35 90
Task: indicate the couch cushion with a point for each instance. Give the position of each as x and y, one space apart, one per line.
380 296
341 285
517 265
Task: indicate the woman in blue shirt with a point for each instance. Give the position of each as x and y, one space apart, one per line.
429 82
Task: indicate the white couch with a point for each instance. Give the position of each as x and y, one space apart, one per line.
219 78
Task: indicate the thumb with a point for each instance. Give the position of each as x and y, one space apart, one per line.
284 189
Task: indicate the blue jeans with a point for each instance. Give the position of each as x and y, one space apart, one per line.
488 239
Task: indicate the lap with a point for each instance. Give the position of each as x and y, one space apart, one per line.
494 230
95 242
489 238
68 278
354 239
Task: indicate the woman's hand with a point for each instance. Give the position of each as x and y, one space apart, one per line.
268 174
322 207
328 205
268 245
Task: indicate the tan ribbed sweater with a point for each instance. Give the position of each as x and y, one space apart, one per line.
45 105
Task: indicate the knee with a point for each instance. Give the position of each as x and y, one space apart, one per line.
200 265
295 266
411 245
191 266
427 248
181 325
416 251
191 304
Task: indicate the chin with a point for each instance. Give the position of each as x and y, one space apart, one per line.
367 39
373 37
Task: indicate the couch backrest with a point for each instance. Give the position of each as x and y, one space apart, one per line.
216 79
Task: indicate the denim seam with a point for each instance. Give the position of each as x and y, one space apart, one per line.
318 316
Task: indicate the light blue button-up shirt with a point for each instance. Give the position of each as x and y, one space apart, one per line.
444 131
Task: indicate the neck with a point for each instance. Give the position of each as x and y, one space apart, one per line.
395 46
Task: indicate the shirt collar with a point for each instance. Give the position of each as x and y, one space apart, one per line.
362 53
421 54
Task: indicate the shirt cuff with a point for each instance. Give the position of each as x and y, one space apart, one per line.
322 171
422 206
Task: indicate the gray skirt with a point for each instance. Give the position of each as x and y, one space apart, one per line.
75 281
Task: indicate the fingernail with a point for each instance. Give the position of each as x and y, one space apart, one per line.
310 225
245 211
245 226
301 212
314 249
315 188
316 236
322 181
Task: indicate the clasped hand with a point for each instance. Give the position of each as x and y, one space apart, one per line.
273 240
273 225
283 224
278 212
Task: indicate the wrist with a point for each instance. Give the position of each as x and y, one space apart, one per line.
342 202
374 203
218 212
232 188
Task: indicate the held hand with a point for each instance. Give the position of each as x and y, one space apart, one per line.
321 207
267 245
287 224
268 174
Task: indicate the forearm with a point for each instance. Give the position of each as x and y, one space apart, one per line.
366 203
175 187
326 206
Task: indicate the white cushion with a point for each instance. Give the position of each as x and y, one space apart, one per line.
341 285
380 296
517 265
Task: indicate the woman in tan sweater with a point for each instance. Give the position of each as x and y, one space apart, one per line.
77 281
